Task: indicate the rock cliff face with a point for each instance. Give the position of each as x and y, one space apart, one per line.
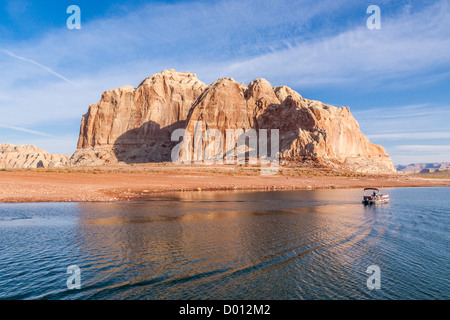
29 157
135 125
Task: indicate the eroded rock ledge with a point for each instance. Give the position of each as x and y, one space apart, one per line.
134 125
29 157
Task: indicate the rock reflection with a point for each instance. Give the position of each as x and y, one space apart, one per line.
217 241
229 245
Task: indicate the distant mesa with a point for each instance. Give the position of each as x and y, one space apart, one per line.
423 167
134 125
26 157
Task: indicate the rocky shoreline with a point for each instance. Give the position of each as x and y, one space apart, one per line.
126 183
126 145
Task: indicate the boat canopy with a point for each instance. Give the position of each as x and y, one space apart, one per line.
371 189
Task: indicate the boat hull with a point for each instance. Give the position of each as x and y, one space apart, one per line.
375 200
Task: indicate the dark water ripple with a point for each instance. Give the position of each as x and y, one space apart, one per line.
230 245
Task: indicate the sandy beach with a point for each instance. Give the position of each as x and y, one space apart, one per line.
122 183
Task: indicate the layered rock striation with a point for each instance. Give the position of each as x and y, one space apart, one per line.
29 157
135 124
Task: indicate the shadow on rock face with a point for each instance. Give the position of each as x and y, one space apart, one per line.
150 143
146 144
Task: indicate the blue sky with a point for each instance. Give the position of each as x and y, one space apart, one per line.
396 80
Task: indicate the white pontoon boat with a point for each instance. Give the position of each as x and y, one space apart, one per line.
375 197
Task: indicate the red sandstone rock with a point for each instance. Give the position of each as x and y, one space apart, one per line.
135 125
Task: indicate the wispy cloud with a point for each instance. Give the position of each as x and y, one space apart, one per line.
302 44
425 148
405 154
421 135
406 45
49 70
410 133
25 130
421 118
386 113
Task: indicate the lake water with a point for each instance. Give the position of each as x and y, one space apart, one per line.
230 245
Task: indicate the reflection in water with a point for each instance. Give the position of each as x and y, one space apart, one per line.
232 245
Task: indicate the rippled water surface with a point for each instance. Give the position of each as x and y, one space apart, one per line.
230 245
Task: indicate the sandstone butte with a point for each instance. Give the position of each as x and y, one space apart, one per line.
134 125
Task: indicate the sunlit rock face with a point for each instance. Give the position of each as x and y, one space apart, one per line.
29 157
135 124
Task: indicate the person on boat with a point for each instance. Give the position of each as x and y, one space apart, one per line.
374 193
